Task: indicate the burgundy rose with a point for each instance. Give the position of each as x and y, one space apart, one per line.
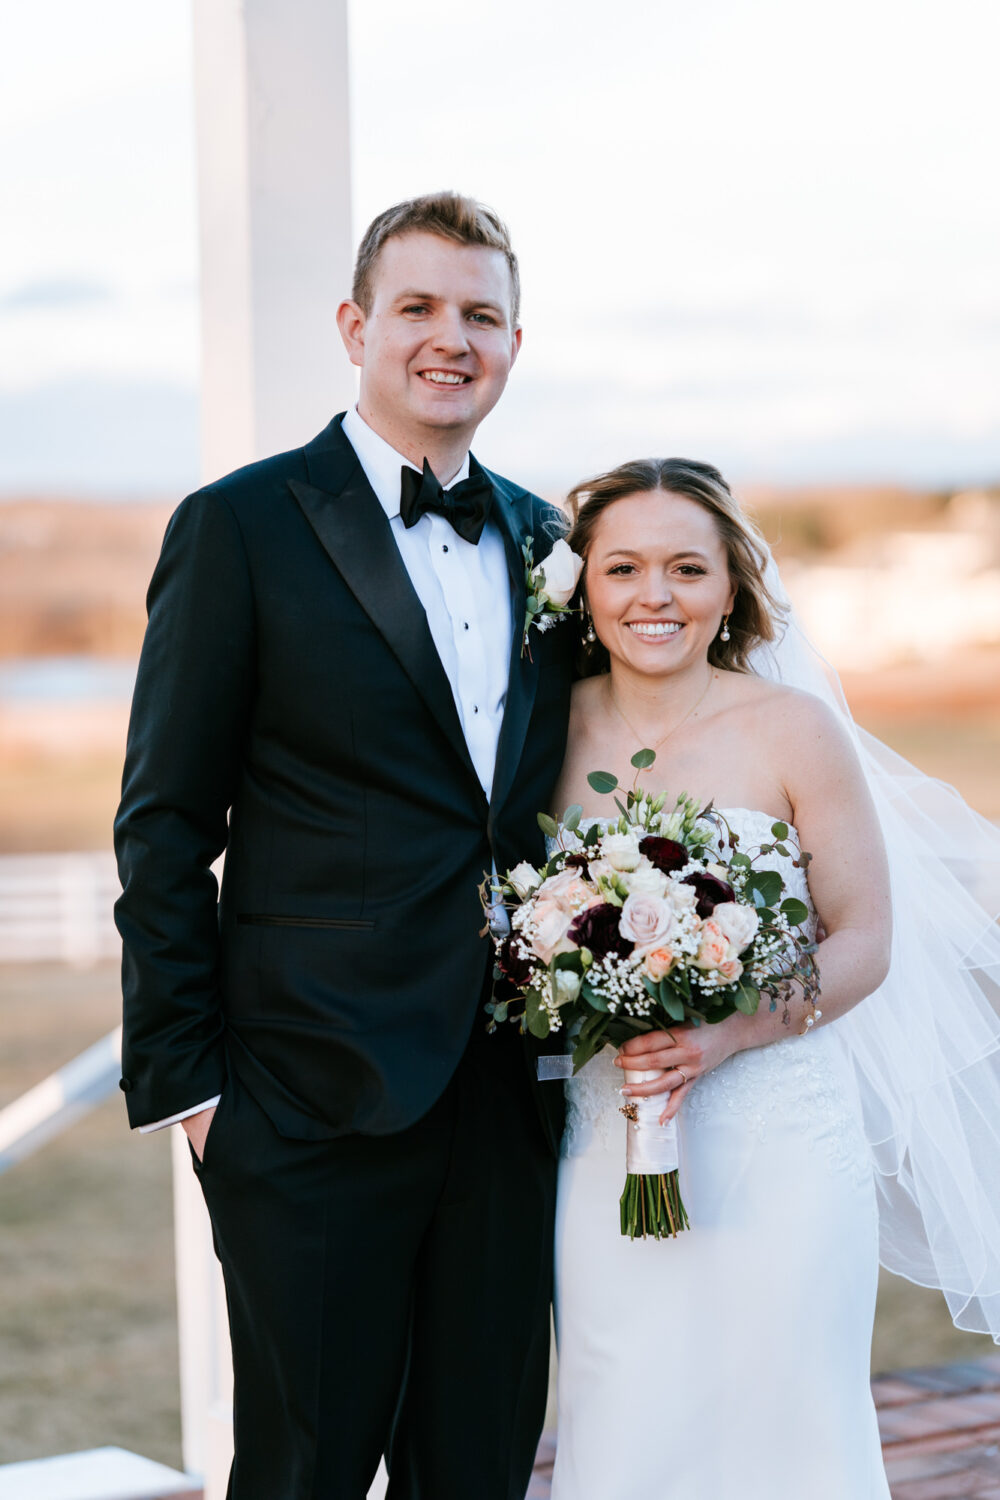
665 855
576 861
712 892
511 964
597 929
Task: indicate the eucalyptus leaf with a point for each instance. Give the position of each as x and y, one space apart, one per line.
796 911
672 1004
548 825
766 883
643 759
779 830
531 604
592 997
746 1000
538 1025
603 782
572 816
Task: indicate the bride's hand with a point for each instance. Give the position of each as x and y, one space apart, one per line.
685 1053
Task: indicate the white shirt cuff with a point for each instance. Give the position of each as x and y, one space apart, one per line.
195 1109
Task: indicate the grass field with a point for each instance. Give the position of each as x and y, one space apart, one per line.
86 1255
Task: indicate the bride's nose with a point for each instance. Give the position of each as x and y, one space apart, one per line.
656 592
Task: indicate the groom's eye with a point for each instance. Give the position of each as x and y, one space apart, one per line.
416 307
487 319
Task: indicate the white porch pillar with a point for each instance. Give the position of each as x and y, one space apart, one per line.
274 176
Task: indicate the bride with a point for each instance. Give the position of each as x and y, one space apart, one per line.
733 1362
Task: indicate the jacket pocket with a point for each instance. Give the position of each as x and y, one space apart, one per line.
261 919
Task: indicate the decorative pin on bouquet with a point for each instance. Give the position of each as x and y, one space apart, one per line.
637 925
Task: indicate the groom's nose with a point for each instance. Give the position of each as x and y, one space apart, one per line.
450 333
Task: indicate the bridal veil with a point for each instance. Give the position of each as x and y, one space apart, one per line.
925 1047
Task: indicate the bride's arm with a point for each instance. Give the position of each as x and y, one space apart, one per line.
849 882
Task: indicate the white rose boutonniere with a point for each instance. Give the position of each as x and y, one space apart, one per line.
550 585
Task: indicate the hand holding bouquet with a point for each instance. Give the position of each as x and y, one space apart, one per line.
634 926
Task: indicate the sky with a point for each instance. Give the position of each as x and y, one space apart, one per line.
765 234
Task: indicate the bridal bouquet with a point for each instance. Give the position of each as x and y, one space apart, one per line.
630 927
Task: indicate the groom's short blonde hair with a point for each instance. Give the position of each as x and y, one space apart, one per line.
450 215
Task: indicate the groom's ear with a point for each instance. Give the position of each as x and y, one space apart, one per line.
351 321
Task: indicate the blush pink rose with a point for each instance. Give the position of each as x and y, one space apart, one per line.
550 922
715 948
569 891
659 962
647 921
731 970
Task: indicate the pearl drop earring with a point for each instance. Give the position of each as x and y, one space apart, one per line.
590 634
725 628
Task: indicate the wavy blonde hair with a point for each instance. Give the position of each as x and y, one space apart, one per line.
756 614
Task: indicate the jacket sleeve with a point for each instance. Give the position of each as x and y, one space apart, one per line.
186 739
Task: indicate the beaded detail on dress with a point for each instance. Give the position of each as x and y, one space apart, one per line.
806 1077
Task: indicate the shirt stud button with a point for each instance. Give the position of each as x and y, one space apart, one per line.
444 547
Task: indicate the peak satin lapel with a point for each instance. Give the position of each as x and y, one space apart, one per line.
514 520
353 530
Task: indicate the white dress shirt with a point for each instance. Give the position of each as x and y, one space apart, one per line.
465 592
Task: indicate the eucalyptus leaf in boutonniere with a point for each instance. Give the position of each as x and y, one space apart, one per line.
550 585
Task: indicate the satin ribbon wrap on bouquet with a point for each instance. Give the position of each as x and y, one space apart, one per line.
651 1201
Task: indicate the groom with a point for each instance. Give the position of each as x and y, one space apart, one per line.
332 690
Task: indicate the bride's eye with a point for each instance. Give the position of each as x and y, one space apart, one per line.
691 570
620 570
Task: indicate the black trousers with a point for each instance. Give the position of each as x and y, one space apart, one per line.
389 1294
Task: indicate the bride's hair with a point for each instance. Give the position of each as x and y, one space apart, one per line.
756 613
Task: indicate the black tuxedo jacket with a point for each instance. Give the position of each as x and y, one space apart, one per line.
291 709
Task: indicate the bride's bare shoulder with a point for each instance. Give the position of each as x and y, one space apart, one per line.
791 718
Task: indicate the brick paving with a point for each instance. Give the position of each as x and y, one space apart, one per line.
940 1432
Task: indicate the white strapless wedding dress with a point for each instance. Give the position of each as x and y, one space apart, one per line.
733 1362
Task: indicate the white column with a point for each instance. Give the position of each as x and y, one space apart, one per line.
274 176
274 198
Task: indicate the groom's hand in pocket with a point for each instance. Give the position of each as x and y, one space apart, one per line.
196 1128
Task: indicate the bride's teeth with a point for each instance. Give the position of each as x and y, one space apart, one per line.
671 628
440 378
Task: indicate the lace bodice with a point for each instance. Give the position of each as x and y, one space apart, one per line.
805 1075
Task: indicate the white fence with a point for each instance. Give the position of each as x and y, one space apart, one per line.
58 908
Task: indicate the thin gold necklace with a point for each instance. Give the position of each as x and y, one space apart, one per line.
674 727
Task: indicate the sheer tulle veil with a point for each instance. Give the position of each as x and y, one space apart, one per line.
925 1047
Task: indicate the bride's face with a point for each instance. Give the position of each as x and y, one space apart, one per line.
657 581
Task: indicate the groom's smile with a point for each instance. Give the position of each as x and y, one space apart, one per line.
438 342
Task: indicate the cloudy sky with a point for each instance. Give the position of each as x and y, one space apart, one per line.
766 233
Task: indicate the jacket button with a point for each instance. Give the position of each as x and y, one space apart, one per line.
125 1084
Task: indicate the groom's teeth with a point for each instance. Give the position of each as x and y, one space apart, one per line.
440 377
670 628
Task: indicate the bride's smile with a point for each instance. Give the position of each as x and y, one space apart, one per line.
658 584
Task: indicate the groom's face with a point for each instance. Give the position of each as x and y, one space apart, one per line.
438 342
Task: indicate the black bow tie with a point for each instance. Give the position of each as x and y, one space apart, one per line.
465 506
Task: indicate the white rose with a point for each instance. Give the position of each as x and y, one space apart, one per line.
682 898
737 923
646 880
524 878
621 850
565 986
562 569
